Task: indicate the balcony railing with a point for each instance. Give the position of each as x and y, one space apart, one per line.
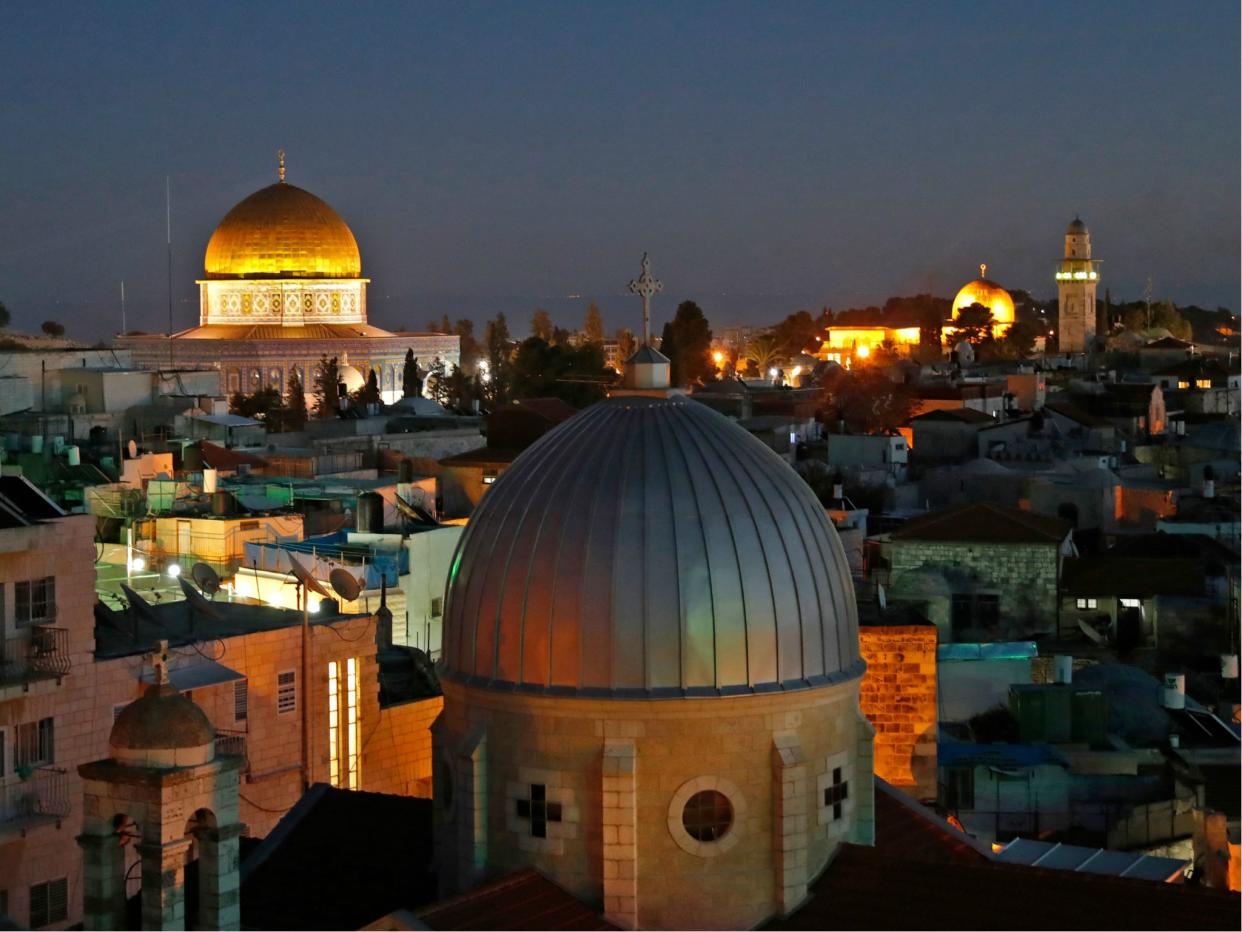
231 742
37 653
44 794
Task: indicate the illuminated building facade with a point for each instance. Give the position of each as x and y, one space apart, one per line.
843 343
1077 276
989 294
283 287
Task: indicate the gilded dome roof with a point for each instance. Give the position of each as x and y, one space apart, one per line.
282 231
646 548
152 730
986 292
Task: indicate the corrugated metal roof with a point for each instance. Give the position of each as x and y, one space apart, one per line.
1056 856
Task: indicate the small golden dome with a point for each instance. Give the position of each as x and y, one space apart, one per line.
282 231
986 292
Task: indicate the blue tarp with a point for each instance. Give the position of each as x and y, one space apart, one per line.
321 555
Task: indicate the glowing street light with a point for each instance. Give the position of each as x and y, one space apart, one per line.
174 570
718 357
773 372
863 352
137 564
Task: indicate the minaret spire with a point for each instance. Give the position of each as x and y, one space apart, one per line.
280 165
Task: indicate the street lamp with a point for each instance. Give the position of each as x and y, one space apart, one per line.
174 570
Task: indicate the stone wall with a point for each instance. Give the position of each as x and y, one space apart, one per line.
397 754
898 696
1024 576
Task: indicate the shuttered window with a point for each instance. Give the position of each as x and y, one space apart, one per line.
49 903
241 700
286 692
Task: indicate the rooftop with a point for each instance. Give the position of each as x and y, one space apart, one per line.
985 524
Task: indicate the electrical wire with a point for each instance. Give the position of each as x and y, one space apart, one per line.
251 802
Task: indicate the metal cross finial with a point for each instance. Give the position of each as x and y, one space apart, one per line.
280 165
645 287
159 661
983 270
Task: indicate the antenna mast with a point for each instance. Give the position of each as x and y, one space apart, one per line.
124 329
168 236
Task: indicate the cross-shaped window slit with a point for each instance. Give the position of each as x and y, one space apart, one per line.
836 795
538 810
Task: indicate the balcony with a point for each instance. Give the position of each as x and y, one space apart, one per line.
36 653
231 742
43 796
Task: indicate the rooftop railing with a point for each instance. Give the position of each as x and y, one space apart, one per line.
39 652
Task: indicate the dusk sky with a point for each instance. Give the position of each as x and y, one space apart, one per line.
493 157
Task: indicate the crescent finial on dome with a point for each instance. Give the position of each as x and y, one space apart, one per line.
983 270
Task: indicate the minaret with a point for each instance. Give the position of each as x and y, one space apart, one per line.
1077 275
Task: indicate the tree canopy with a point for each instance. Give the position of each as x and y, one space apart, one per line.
541 325
867 400
687 342
574 374
327 385
593 327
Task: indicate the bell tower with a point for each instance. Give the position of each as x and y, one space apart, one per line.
1077 275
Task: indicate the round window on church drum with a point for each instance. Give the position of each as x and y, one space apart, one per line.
707 816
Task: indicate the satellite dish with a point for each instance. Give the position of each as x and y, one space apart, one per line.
138 605
302 574
415 512
206 578
196 602
346 584
133 449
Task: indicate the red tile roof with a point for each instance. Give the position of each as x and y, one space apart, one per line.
524 899
985 524
956 415
218 457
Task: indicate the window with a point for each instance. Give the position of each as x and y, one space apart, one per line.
1183 383
974 615
959 787
538 811
36 744
286 692
241 700
489 476
344 745
437 607
35 600
836 794
249 526
1203 383
1131 603
707 815
1086 603
49 902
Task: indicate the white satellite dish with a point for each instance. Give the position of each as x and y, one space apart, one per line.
207 578
345 583
302 574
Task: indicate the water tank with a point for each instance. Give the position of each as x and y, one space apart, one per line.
1063 667
74 455
1175 691
210 477
1229 666
36 443
405 471
221 502
58 444
370 515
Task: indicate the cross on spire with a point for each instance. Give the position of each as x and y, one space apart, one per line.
645 286
159 662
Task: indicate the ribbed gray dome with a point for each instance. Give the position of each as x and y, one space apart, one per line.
650 547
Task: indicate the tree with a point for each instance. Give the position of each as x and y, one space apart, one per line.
53 329
764 352
1167 316
369 393
440 326
562 337
261 405
574 374
295 402
687 342
496 343
469 350
437 388
796 334
541 325
594 326
327 385
5 317
626 343
411 384
867 400
973 324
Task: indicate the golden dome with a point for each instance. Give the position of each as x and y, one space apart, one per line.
282 231
986 292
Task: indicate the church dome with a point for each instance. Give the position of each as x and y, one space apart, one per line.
282 231
986 292
646 548
162 729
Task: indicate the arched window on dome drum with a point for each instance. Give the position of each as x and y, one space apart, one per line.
256 378
707 815
275 380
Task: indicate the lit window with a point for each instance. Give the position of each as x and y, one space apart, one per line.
707 816
1183 383
35 600
49 903
286 692
489 476
344 746
1086 603
1203 383
1131 603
